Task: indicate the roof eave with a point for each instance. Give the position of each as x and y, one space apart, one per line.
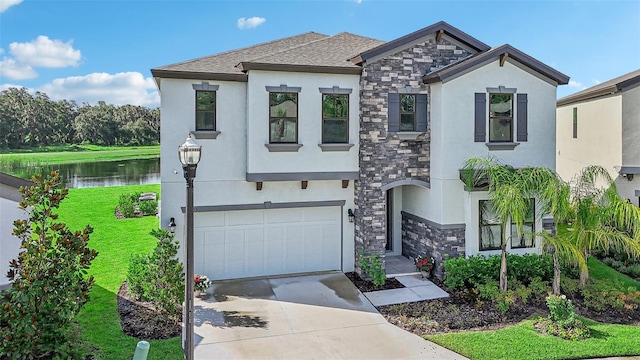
448 29
587 96
175 74
246 66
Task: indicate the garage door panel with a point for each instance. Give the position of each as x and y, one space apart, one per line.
269 242
248 217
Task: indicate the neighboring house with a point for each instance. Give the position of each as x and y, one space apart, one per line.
379 128
601 126
9 199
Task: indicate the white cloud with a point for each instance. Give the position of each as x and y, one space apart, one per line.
244 23
44 52
5 4
358 1
14 70
120 89
596 81
4 87
573 83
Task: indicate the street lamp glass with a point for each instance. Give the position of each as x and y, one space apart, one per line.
189 152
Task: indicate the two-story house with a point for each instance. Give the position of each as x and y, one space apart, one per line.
601 126
316 148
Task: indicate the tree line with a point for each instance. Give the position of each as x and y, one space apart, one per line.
28 121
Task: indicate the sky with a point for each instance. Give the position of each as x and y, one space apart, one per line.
91 51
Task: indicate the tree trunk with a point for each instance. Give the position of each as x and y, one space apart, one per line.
556 274
584 273
503 267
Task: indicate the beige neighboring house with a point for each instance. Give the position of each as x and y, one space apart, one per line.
9 212
601 126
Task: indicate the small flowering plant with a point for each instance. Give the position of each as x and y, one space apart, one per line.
424 263
201 283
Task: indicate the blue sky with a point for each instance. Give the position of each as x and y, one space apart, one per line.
88 50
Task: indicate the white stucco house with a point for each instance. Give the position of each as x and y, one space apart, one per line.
9 212
300 132
601 126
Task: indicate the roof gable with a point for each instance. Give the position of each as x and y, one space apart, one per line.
438 29
503 53
602 89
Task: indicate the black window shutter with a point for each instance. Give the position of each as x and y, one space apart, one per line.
393 117
421 112
480 118
522 117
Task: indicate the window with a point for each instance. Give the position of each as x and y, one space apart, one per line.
490 227
528 228
575 122
335 118
205 110
500 117
283 117
407 112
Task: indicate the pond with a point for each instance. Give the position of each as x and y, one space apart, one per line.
100 174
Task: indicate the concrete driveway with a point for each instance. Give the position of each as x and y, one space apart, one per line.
305 317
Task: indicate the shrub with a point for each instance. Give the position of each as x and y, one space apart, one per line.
563 320
127 207
372 266
474 270
50 285
158 277
600 295
148 207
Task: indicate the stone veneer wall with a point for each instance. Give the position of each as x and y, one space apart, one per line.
423 237
383 158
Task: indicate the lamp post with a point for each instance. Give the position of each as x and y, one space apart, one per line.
189 154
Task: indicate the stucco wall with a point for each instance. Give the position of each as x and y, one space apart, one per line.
221 173
631 127
9 244
599 140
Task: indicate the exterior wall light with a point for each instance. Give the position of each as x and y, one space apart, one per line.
351 215
172 225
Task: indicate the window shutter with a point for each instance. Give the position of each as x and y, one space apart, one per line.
522 117
481 118
393 116
421 112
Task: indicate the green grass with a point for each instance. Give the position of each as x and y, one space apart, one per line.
523 341
75 154
115 240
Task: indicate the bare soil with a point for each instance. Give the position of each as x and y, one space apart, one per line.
140 319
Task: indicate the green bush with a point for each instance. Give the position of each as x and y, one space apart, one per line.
158 277
563 320
49 283
474 270
149 207
372 266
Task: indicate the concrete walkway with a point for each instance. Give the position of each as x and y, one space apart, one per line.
416 289
305 317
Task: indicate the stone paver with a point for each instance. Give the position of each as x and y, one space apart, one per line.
416 289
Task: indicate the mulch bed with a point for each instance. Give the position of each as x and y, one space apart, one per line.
140 319
367 285
462 311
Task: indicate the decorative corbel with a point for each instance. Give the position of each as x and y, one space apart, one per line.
259 185
503 58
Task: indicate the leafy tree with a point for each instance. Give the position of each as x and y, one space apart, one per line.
510 190
602 219
50 285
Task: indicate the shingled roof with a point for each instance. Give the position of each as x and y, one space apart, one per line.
605 88
311 52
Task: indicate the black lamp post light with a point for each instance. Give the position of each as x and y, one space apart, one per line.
189 154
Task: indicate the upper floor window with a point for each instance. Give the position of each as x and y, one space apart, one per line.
526 240
407 112
575 122
205 110
335 118
283 117
500 117
490 227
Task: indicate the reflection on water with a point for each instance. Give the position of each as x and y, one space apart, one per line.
100 174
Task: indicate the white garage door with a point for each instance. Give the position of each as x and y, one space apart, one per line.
247 243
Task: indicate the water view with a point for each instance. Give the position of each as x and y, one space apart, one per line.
100 174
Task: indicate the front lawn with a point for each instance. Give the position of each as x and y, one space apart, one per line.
522 341
115 240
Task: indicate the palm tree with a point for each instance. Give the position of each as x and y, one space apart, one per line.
510 191
602 219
